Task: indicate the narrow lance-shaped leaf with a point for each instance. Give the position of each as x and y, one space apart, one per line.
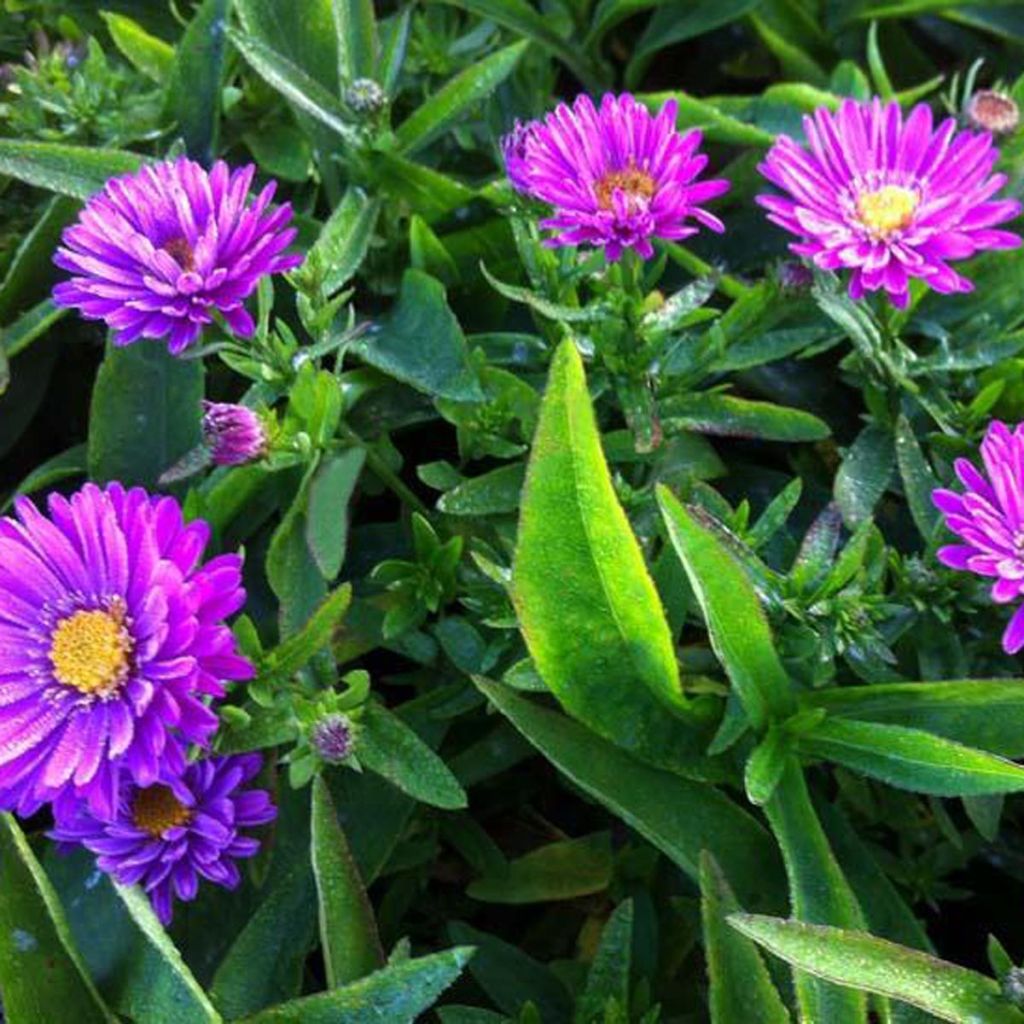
947 991
41 975
453 99
599 636
741 988
609 976
818 889
348 931
912 759
76 171
736 622
355 25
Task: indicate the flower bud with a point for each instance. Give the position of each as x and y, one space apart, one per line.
994 112
365 96
234 434
794 276
333 738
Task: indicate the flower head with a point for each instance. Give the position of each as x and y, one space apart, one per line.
158 252
989 520
616 175
332 738
888 199
234 434
111 639
183 827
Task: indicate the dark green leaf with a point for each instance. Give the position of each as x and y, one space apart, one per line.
493 493
314 635
356 27
609 976
918 479
144 393
855 958
75 171
327 518
150 55
864 474
727 416
345 238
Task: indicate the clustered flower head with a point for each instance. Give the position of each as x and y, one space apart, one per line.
184 827
112 645
989 520
616 176
887 198
158 252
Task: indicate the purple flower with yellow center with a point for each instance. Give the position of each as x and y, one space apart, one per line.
989 520
167 836
112 641
889 200
158 252
234 434
616 175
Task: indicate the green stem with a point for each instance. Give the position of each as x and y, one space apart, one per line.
727 285
386 473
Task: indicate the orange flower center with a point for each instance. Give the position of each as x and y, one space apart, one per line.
157 809
887 210
635 185
90 650
182 252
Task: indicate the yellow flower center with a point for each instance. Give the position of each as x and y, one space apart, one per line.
887 209
157 809
90 650
632 182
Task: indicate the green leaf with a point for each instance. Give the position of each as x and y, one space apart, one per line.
510 977
141 912
717 125
429 193
736 622
302 33
148 54
912 759
398 994
609 975
304 92
314 635
918 479
143 392
345 239
194 89
855 958
552 310
600 639
983 713
451 102
819 892
864 475
493 493
388 747
41 974
727 416
327 518
741 988
421 343
29 327
69 463
765 765
679 817
348 931
559 871
358 46
76 171
525 20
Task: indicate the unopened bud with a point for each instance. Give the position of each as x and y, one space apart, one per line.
994 112
234 434
365 96
332 738
795 276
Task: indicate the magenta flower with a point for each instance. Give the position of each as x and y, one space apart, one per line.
234 434
111 639
989 519
168 835
888 200
617 176
158 252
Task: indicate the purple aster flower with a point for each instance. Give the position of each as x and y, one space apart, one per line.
617 176
111 638
233 433
158 252
888 199
989 520
168 835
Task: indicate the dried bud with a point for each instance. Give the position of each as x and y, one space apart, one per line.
233 434
994 112
333 738
794 276
1013 986
365 96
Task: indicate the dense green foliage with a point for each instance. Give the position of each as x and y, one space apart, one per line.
633 674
